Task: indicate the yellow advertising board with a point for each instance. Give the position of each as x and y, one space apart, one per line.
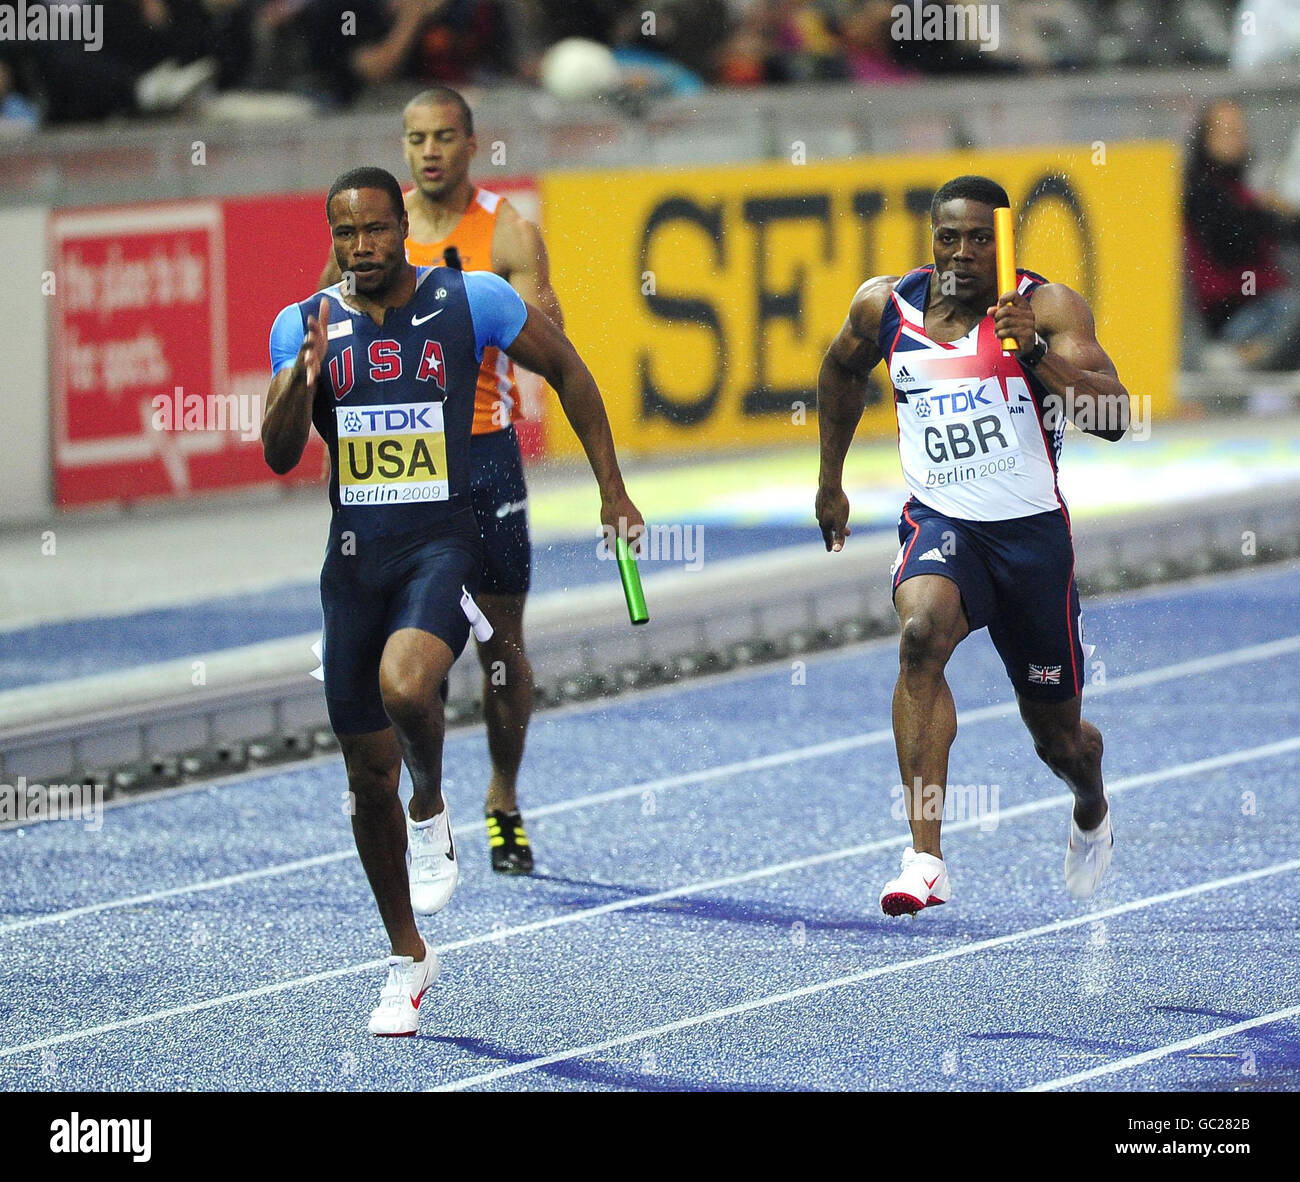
704 299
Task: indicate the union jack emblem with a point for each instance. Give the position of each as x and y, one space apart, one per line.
1045 674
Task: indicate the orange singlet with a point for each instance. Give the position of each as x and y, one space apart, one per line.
496 402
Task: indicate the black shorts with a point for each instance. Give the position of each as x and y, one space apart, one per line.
409 581
1017 579
500 499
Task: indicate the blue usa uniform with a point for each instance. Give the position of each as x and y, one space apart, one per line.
394 404
979 437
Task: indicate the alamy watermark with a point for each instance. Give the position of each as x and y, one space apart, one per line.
131 1136
36 21
659 543
922 20
960 802
212 412
24 803
1103 412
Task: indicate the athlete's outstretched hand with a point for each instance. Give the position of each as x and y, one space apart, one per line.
316 343
621 518
832 508
1014 317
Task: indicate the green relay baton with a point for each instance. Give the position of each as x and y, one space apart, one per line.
631 577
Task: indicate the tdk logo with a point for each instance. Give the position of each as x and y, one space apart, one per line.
369 420
922 408
962 400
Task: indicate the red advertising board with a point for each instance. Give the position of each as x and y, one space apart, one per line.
139 307
159 341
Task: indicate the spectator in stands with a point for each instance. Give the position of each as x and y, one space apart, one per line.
776 41
18 114
678 38
868 46
369 41
1231 234
154 58
593 20
234 42
958 55
748 56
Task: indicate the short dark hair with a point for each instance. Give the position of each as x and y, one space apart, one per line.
1199 161
368 177
969 188
437 95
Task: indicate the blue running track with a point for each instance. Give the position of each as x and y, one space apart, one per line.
705 914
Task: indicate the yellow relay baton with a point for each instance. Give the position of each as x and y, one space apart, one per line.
1004 243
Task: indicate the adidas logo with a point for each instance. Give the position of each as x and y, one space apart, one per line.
903 377
933 556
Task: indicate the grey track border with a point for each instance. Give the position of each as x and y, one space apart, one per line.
650 693
58 732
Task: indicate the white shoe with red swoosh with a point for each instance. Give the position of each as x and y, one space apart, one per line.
923 882
398 1011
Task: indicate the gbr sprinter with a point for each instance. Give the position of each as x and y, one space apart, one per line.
387 376
985 535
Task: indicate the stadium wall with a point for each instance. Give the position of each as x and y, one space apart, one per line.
25 374
703 300
142 370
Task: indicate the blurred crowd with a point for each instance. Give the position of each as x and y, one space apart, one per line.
1241 245
160 56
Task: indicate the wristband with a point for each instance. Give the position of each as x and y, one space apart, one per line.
1035 355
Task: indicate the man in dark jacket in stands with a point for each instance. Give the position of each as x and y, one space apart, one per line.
1249 306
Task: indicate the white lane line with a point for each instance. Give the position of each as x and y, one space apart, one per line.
1170 773
211 884
1149 677
774 999
1172 1048
1199 665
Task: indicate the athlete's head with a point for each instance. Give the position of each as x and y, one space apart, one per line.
438 134
1220 139
368 223
961 219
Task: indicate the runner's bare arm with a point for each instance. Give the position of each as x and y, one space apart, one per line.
542 347
519 254
1075 367
841 397
286 424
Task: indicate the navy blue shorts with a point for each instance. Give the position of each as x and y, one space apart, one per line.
500 500
1017 579
410 581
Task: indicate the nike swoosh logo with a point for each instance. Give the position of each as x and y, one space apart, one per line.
451 849
929 886
419 320
415 1001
